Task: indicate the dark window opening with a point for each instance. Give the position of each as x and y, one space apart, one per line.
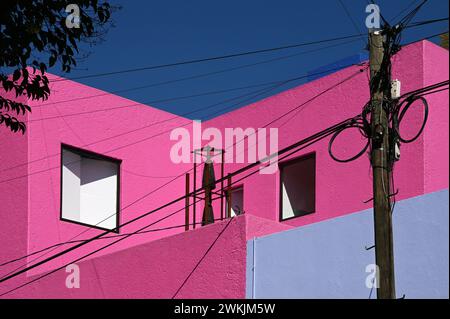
298 187
237 201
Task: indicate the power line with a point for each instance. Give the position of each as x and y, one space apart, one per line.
355 25
426 22
106 237
297 109
410 5
426 38
200 75
203 257
208 93
183 97
215 58
434 92
146 176
426 89
408 18
102 238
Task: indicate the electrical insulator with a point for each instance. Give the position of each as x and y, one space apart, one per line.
396 87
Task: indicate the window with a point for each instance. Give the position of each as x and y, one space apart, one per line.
89 188
237 201
298 185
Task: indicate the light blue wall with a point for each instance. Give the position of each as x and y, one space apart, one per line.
329 259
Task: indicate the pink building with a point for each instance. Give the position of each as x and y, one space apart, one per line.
93 160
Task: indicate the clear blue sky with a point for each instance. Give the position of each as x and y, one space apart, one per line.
159 32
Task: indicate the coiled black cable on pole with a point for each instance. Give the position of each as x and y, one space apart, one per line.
396 109
399 115
355 123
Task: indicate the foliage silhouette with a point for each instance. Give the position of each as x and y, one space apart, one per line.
34 36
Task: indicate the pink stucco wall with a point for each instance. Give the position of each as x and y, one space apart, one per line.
436 140
215 255
14 195
31 217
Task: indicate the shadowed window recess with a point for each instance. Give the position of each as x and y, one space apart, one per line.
298 187
89 188
237 201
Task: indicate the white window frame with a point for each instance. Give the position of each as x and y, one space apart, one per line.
81 157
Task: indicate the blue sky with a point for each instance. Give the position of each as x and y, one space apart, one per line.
158 32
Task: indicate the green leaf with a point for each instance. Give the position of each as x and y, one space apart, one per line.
16 75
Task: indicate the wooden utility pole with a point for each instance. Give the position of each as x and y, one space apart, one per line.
380 83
